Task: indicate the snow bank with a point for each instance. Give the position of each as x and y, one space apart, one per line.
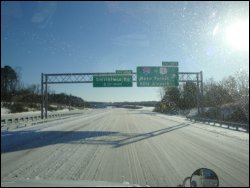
231 132
146 108
223 131
4 111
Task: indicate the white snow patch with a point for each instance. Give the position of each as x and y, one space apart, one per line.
231 132
242 135
146 108
5 111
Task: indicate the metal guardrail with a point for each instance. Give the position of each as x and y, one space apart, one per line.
213 121
15 119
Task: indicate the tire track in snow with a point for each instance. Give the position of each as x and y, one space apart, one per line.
38 161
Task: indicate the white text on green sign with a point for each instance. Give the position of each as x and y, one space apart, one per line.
112 81
123 71
157 76
169 63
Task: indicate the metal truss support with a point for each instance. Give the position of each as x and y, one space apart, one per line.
68 78
42 98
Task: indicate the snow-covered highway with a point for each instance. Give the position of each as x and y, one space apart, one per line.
117 145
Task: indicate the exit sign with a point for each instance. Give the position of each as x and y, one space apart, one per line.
115 80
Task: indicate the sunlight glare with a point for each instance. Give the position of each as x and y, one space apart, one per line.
237 35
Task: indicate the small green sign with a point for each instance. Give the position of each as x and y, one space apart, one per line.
169 63
112 81
124 72
157 76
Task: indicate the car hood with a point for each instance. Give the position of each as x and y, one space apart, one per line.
63 183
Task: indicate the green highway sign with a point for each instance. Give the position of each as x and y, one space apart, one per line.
169 63
157 76
112 81
124 72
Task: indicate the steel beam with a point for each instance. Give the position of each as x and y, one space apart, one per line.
70 78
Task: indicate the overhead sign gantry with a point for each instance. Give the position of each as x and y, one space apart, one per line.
167 75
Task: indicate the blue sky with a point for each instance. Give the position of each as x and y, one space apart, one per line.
73 37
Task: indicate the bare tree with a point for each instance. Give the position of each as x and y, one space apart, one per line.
242 80
162 92
230 85
19 83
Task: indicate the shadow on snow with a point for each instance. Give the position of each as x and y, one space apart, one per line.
21 140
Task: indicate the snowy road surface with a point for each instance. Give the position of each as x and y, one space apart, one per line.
116 145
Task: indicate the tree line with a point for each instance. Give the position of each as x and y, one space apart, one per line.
231 92
14 91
